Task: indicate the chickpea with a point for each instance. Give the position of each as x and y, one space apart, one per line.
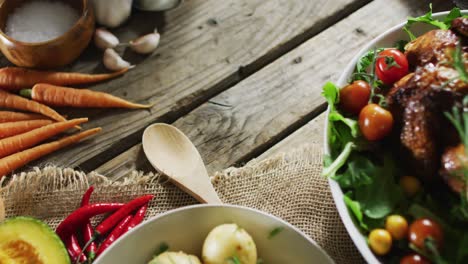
380 241
410 185
397 226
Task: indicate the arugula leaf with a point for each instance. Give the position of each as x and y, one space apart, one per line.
400 45
428 19
363 64
358 172
355 208
382 196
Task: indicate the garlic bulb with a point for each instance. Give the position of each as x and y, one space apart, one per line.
104 39
114 62
146 44
112 13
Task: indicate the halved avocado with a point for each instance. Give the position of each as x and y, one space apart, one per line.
28 240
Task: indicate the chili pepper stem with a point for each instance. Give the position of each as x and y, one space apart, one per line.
86 246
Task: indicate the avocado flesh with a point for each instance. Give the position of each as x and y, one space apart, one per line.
27 240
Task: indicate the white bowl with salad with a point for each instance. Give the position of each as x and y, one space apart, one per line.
397 126
214 234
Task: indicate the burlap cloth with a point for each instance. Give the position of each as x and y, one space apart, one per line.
289 186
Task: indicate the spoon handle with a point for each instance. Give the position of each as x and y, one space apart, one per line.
202 192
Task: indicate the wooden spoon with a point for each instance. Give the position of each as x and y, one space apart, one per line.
173 154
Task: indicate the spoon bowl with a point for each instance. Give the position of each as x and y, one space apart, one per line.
173 154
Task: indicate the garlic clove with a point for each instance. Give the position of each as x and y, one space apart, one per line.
146 44
114 62
104 39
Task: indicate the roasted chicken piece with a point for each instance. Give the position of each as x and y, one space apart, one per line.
460 25
454 165
432 47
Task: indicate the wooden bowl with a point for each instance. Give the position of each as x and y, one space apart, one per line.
53 53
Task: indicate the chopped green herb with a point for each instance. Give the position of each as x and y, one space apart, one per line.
234 260
260 261
163 247
275 232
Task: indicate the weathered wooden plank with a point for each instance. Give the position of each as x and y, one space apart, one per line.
244 121
311 132
207 46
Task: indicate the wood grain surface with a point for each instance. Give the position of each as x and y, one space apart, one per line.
206 47
251 117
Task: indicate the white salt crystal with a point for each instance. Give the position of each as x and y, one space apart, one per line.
41 20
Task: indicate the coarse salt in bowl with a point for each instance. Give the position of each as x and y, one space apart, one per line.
26 42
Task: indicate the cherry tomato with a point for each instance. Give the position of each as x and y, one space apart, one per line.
354 96
397 226
410 185
375 122
380 241
424 228
391 65
414 259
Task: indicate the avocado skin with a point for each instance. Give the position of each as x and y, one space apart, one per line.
49 237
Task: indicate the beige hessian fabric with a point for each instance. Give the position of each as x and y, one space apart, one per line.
289 186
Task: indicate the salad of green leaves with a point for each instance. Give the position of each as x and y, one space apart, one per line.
368 172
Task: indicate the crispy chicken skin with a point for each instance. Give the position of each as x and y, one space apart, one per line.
460 25
418 101
432 47
454 161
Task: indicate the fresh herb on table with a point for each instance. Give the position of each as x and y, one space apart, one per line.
275 232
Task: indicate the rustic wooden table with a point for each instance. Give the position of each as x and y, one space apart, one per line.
241 78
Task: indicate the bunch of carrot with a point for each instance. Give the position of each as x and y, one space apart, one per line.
21 132
124 217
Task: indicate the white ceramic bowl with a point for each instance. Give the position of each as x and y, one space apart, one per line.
186 228
387 39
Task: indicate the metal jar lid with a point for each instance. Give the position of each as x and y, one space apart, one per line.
156 5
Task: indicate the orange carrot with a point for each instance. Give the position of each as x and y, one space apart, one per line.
7 116
15 78
12 162
63 96
8 100
23 141
15 128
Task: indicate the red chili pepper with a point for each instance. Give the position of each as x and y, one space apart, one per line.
87 196
88 228
138 218
106 225
74 249
119 230
81 215
73 246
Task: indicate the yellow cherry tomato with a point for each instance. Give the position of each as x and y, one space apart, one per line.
397 226
410 185
380 241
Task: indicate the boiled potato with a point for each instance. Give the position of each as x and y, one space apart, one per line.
175 258
226 242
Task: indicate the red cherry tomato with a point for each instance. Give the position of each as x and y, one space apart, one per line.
375 122
391 65
424 228
414 259
354 96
